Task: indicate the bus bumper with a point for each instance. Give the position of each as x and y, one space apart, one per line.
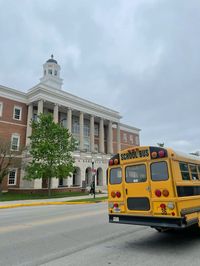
164 222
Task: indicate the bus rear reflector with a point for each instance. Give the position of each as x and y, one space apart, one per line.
158 193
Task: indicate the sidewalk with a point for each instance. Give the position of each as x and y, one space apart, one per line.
54 201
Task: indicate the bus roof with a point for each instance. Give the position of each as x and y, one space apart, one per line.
145 152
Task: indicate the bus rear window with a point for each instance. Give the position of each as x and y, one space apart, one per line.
159 171
136 173
116 175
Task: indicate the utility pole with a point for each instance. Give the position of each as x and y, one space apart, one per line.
93 176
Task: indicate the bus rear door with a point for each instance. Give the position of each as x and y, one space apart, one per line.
137 189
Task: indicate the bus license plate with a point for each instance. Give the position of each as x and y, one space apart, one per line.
115 219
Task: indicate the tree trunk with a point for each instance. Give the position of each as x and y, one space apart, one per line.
49 187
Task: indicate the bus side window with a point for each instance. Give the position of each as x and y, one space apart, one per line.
184 171
159 171
193 171
115 176
199 171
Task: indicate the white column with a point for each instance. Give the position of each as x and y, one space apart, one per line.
54 182
118 138
92 133
69 181
110 138
55 114
101 136
29 129
40 107
38 183
69 120
81 124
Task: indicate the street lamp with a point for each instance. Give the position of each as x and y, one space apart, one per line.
93 177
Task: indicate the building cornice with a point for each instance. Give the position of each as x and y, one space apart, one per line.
129 128
60 97
13 94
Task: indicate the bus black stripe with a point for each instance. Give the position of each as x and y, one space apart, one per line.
187 191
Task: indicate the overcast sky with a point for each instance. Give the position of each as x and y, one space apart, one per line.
138 57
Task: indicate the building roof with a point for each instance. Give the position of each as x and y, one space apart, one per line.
51 60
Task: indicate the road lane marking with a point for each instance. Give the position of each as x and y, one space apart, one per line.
28 225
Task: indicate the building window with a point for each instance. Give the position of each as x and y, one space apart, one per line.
124 137
12 177
96 147
50 71
15 142
17 113
55 73
86 144
131 139
96 130
1 108
86 130
75 125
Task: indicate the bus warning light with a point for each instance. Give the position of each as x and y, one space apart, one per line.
154 154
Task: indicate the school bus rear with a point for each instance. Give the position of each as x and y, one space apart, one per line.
141 189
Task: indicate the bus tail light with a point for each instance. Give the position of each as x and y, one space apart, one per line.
162 206
165 193
115 205
113 194
158 192
118 194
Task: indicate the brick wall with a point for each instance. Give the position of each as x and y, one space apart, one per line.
9 126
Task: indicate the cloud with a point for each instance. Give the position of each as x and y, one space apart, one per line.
141 55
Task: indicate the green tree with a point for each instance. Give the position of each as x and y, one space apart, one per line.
51 150
9 159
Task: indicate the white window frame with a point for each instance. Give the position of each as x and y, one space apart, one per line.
15 135
20 116
15 178
1 109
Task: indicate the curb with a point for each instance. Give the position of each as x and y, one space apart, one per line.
48 203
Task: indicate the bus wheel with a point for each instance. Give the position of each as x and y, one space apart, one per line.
162 230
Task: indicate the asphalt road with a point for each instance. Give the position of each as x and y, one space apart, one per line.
81 235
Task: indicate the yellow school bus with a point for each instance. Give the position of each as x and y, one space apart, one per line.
154 186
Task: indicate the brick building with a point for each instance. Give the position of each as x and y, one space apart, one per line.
97 128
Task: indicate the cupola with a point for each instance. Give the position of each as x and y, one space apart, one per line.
51 74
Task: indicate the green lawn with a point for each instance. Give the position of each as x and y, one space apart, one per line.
11 196
90 199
